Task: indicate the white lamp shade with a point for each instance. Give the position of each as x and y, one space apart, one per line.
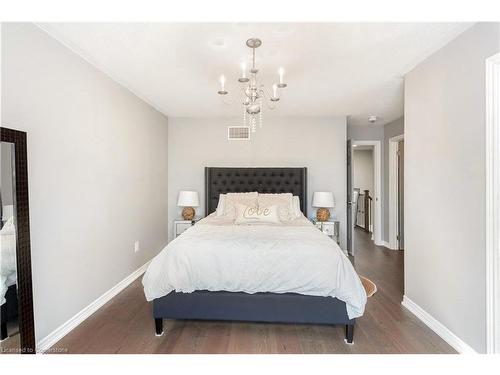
323 199
188 199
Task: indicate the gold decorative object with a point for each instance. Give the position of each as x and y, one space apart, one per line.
188 213
322 214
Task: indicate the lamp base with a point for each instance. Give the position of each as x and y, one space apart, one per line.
322 214
188 213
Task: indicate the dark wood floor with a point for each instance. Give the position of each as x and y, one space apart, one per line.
125 324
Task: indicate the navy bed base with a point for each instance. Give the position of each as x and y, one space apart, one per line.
258 307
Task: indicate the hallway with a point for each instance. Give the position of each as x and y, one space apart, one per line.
383 266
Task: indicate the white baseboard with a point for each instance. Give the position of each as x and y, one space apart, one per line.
388 245
61 331
383 243
442 331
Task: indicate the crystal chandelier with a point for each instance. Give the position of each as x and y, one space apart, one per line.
253 94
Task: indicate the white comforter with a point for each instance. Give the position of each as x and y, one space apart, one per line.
217 255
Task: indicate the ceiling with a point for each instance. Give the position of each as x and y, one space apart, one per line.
332 69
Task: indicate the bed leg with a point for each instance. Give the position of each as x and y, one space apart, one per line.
349 334
159 326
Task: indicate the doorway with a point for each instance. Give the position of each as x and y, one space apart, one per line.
363 185
353 200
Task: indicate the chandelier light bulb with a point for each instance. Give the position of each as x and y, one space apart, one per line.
243 70
281 73
275 90
222 90
243 78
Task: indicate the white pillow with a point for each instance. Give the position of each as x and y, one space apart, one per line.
221 205
296 207
254 215
247 199
282 200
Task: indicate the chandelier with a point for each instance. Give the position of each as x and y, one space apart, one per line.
252 94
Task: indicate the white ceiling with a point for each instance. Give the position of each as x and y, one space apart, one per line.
332 69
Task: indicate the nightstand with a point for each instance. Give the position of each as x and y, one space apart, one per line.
330 228
181 225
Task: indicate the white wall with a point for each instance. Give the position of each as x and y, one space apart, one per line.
97 165
362 161
316 143
445 183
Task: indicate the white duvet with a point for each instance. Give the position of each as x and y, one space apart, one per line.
217 255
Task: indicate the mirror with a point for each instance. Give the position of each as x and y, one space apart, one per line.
16 307
10 338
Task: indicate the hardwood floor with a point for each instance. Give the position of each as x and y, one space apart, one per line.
11 345
125 324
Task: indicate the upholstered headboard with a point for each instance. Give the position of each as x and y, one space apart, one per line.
221 180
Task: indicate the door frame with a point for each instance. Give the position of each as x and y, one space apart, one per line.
493 204
393 191
377 185
349 215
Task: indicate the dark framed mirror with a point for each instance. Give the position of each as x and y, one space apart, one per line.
16 296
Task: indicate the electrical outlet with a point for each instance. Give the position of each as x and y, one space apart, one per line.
136 246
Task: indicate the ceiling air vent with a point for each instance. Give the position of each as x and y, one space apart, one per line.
238 133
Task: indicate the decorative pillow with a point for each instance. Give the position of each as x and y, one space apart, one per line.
247 199
255 215
221 205
282 200
296 207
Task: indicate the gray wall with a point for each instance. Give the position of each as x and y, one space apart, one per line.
6 174
365 133
97 164
445 183
362 162
380 133
313 142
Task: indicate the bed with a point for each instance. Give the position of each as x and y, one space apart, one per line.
220 271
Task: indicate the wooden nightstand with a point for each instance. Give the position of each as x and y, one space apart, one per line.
330 228
181 225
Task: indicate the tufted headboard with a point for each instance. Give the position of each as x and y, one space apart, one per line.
221 180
